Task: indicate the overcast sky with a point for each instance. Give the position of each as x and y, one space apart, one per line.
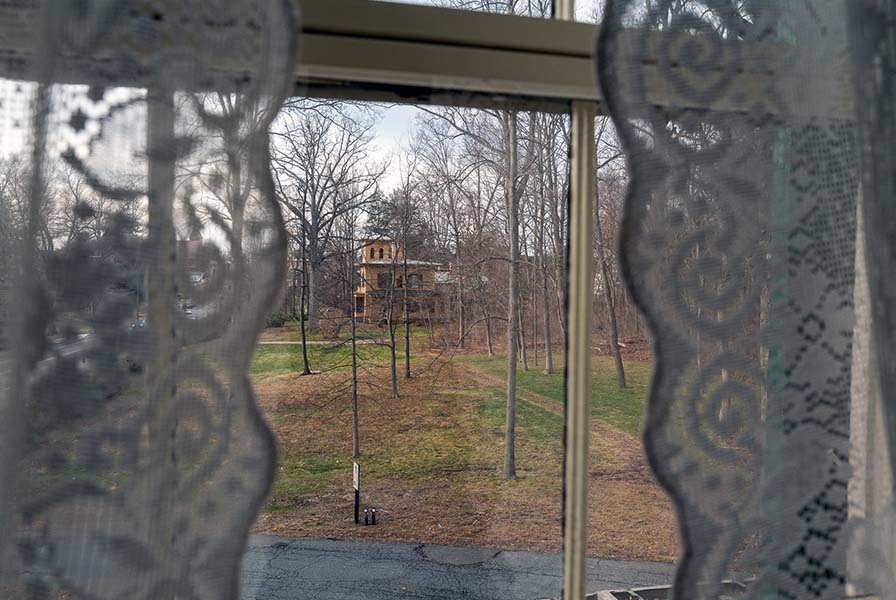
393 130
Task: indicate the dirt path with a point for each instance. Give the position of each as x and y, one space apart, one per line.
621 455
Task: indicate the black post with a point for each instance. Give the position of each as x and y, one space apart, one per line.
356 483
373 516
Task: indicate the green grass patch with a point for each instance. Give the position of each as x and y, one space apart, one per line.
300 472
416 451
292 331
622 409
421 451
533 422
281 359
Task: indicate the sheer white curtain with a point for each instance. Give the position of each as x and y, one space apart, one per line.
768 420
132 456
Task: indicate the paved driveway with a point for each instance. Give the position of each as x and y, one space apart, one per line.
277 568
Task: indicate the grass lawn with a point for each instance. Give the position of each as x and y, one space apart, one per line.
291 331
279 360
433 441
432 459
621 409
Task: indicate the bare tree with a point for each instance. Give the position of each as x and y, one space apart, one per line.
540 255
608 295
406 216
323 167
608 152
513 313
390 325
303 304
350 220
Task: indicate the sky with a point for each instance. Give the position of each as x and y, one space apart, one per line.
393 130
584 8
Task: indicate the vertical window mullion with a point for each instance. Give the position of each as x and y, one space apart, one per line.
578 358
564 10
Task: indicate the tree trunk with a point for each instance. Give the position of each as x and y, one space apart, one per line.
608 294
524 357
313 306
306 368
488 330
545 296
407 314
356 429
461 312
558 222
509 471
534 319
161 318
390 323
546 309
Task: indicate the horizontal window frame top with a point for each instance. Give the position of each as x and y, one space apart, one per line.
395 52
391 52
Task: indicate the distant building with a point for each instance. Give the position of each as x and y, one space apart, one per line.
426 285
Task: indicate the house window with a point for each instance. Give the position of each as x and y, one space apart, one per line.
390 252
381 253
415 282
372 255
383 280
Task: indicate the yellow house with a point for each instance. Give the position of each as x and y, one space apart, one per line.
381 261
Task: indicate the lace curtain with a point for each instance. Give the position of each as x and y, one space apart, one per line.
132 456
758 240
770 304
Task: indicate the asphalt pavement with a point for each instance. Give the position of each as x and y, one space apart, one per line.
279 568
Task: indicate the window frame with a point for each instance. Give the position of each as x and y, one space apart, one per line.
380 51
391 52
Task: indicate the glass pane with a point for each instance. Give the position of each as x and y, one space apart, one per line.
531 8
589 11
630 516
399 227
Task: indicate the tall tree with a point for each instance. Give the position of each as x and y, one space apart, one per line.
608 152
513 313
540 255
351 223
608 294
323 163
303 305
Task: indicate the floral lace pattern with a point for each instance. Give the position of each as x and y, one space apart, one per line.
738 244
138 455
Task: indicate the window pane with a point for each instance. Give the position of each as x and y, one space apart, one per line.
629 515
589 11
411 202
533 8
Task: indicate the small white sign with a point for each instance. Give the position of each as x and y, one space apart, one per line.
357 477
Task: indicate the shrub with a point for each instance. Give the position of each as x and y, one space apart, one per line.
277 319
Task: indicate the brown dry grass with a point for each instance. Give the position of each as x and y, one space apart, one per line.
432 461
